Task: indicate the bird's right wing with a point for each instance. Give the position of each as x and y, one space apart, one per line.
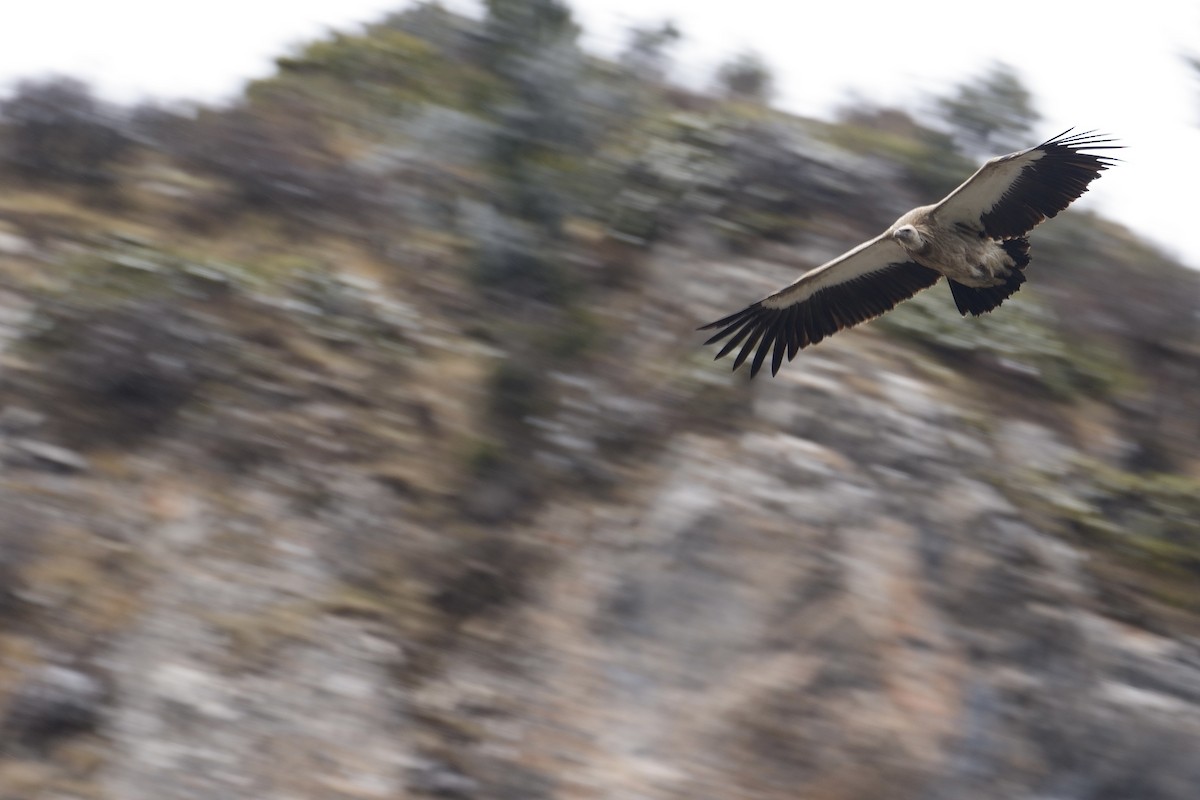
852 288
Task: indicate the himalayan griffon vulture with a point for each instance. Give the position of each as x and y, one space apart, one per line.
975 237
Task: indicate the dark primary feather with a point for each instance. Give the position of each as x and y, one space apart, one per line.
780 332
1050 184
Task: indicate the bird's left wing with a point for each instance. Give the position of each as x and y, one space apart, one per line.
852 288
1009 195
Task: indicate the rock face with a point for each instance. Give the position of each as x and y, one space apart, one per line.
860 579
470 515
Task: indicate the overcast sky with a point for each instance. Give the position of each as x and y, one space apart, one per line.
1122 73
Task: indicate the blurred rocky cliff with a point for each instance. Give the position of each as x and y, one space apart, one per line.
356 442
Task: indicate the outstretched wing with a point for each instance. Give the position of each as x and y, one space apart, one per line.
852 288
1011 194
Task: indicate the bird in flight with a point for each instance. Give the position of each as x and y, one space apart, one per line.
975 236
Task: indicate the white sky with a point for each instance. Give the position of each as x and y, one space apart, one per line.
1118 71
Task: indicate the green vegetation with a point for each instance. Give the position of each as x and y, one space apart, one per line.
1143 527
993 113
931 161
1024 339
746 77
56 131
516 392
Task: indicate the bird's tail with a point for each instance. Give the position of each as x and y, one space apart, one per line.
1018 251
975 301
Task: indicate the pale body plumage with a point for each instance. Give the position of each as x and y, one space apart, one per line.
956 251
974 237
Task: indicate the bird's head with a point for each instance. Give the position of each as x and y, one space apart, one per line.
908 237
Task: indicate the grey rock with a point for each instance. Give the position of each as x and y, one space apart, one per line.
19 420
1026 445
34 454
52 703
963 503
13 245
442 780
